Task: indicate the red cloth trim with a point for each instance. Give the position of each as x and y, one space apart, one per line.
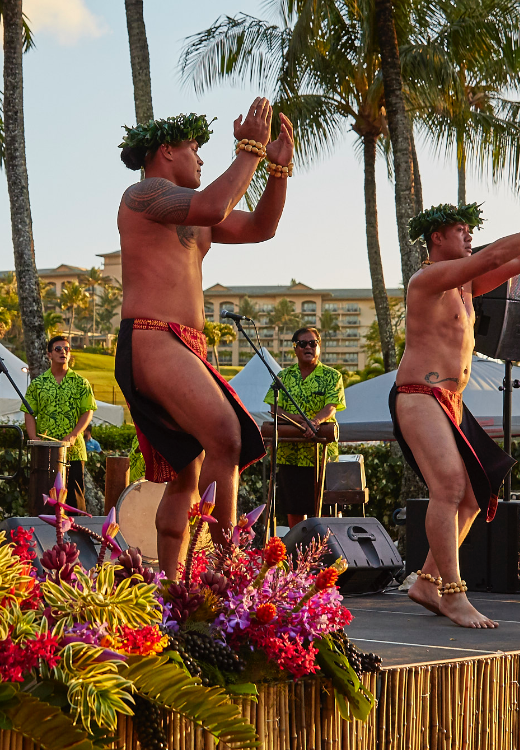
157 468
451 402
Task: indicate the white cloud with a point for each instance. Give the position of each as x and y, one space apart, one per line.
66 20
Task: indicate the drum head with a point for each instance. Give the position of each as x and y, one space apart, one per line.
135 513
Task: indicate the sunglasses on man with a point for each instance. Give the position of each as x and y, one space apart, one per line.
62 348
303 344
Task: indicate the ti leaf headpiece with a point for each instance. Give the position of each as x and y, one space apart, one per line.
152 134
427 222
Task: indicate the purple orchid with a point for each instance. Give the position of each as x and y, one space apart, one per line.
245 525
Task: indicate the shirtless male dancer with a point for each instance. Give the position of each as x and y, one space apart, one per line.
191 426
459 462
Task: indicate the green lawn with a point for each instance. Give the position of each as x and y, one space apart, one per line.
98 369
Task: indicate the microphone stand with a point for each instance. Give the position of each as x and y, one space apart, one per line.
4 369
277 386
507 389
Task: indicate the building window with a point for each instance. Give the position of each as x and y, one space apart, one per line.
225 357
351 358
350 344
309 320
352 308
352 333
309 307
229 306
352 321
209 310
331 306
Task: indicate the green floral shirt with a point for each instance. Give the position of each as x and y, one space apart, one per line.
323 386
57 407
136 459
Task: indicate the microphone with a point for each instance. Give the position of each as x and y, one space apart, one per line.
234 316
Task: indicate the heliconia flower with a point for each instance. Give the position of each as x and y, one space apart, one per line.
245 524
274 552
110 527
65 523
52 501
265 613
207 501
326 579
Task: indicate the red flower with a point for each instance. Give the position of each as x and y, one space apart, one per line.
274 552
145 641
24 544
265 613
17 659
326 579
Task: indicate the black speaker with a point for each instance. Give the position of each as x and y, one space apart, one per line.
45 537
497 321
488 556
373 559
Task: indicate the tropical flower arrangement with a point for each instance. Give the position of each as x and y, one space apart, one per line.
78 647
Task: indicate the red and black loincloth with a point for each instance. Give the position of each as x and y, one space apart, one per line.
166 449
486 463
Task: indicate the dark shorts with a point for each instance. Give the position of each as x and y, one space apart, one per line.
76 485
166 449
295 489
486 463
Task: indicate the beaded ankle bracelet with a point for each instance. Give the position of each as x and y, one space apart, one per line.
430 578
252 147
277 170
453 588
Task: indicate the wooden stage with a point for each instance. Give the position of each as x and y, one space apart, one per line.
441 686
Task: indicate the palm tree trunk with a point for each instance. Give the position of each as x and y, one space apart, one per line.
71 321
417 183
399 127
139 60
384 320
31 308
94 315
461 167
215 354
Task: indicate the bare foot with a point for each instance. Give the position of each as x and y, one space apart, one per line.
426 594
460 610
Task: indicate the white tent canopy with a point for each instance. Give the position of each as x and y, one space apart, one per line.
367 416
10 403
252 383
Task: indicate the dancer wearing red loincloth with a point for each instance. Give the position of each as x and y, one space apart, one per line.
191 426
461 465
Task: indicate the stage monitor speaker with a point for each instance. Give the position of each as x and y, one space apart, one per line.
497 321
489 554
373 559
45 537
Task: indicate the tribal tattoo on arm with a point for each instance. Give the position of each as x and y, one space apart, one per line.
431 375
160 200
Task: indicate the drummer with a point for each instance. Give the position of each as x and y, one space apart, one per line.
318 391
63 404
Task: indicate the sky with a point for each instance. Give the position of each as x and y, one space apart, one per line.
78 94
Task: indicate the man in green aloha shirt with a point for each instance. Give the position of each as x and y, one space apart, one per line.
63 404
318 391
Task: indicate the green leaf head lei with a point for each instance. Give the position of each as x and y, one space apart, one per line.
424 224
148 136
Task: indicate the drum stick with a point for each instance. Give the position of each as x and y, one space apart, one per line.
287 419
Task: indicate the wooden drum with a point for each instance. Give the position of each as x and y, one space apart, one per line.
328 432
47 458
135 513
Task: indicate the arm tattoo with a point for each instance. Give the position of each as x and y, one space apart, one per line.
431 375
159 199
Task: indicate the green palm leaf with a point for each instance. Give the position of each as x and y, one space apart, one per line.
160 681
43 723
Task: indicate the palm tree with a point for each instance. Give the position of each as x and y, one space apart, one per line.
109 301
328 324
247 308
326 72
284 317
474 46
400 136
72 297
31 308
217 332
53 322
90 281
139 60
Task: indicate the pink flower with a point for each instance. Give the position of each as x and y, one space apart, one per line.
109 531
64 506
65 523
245 525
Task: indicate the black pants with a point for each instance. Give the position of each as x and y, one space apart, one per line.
76 485
295 485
